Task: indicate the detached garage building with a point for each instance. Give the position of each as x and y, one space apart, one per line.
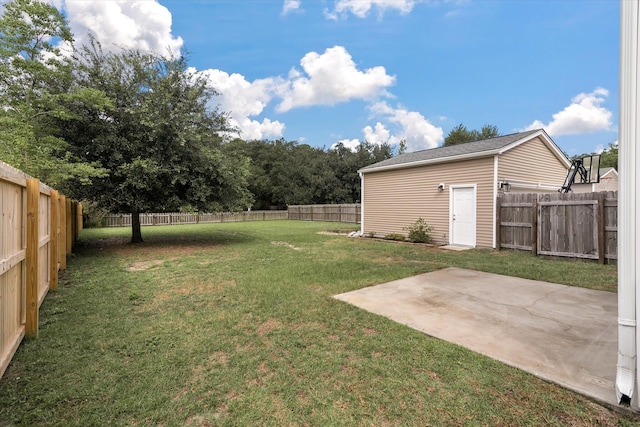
454 189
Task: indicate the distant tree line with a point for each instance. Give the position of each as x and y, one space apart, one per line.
285 173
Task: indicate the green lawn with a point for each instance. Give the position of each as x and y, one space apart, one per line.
234 324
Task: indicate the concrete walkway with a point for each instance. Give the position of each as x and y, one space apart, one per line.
563 334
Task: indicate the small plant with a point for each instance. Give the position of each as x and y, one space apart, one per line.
371 234
419 231
394 236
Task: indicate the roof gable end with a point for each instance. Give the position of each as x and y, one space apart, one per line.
469 150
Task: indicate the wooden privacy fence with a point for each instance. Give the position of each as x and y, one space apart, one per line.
577 225
38 227
337 213
124 220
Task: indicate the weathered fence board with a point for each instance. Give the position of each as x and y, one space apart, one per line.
177 218
350 213
582 225
31 229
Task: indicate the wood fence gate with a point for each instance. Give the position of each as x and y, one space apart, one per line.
582 225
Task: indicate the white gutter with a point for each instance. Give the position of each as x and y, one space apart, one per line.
628 219
476 155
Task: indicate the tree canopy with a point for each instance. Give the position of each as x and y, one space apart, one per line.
460 134
287 173
158 141
36 90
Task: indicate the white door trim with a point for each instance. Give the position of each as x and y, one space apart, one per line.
452 188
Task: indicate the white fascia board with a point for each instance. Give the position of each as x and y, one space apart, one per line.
448 159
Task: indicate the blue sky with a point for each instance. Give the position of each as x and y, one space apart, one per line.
319 72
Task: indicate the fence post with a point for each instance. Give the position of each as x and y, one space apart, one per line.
69 229
53 241
601 234
79 220
498 221
62 236
534 225
33 217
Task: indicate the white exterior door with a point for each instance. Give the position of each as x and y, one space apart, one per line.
463 215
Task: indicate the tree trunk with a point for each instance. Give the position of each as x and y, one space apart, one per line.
136 234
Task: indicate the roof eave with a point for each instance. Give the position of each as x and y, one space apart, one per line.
447 159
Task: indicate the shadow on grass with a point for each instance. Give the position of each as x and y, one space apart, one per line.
160 238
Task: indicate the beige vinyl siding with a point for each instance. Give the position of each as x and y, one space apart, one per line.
608 182
396 198
534 163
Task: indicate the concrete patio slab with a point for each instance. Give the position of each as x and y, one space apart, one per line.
563 334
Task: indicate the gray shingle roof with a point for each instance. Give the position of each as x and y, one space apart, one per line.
469 148
605 170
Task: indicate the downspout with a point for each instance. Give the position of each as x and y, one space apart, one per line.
495 198
626 372
361 203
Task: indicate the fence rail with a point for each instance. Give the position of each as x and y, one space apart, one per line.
176 218
336 213
37 229
582 225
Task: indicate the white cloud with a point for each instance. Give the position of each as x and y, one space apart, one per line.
584 115
253 129
140 24
417 131
351 144
243 99
379 135
331 78
290 5
361 8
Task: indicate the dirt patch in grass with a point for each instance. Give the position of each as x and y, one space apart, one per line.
287 245
218 358
268 326
144 265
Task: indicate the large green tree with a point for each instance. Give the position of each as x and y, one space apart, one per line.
460 134
36 91
159 141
